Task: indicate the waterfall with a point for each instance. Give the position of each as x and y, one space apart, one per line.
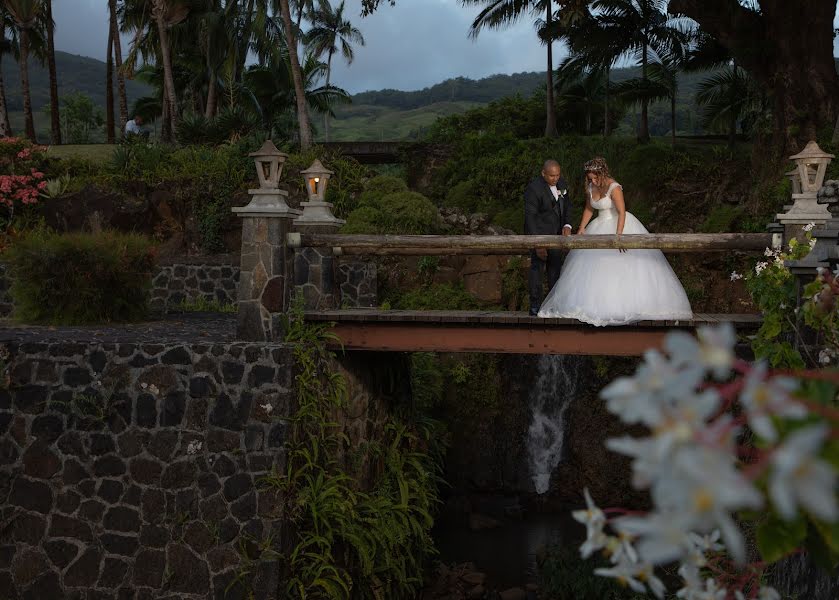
552 393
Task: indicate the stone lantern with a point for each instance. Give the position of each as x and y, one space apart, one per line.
316 269
810 168
317 211
266 261
268 198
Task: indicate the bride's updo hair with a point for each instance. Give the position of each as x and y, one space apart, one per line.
597 165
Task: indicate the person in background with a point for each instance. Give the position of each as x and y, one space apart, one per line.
135 127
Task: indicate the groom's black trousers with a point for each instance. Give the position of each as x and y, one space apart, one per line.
535 279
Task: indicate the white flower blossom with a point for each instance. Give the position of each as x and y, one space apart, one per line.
267 407
764 399
735 276
760 267
826 355
798 478
711 591
625 573
594 520
812 243
713 349
809 227
768 593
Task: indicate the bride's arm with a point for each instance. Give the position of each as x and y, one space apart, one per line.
587 214
620 206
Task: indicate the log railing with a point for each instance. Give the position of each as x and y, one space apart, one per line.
408 245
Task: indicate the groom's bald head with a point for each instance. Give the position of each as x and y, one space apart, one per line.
551 171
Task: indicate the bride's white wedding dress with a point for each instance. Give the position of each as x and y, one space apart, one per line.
608 287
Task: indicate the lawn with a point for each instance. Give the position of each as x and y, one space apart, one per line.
92 152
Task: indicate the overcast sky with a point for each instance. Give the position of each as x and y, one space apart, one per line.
412 45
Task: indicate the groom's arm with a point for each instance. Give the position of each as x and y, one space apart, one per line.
531 209
566 209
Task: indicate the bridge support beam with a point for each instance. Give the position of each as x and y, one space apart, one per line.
624 341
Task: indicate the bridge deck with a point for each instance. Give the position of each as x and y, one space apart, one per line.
504 332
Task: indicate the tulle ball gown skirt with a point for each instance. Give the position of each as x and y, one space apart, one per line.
609 287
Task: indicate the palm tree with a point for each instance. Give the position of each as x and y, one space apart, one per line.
579 90
55 118
110 138
297 76
273 88
117 58
640 28
7 46
728 97
329 29
498 14
25 14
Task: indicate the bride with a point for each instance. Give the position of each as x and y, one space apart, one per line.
614 287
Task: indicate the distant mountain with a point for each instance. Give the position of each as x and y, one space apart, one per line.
396 115
75 74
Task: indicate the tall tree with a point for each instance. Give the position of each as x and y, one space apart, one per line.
110 137
25 14
297 76
643 30
8 45
329 30
117 57
498 14
788 48
159 12
55 117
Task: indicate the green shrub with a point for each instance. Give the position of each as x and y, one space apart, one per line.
77 278
563 575
438 296
722 218
395 213
426 381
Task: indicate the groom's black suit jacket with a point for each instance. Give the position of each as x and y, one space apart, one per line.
542 214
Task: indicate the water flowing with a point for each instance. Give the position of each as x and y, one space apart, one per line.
553 391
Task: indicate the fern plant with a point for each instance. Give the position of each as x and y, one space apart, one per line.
349 542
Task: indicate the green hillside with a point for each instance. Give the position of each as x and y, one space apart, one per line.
395 115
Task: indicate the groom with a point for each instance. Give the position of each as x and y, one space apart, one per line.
547 211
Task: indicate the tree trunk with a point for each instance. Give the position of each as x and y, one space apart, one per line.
168 78
673 116
326 114
243 44
606 124
29 123
166 122
644 128
297 76
123 98
110 137
212 97
798 69
732 123
550 118
55 118
5 127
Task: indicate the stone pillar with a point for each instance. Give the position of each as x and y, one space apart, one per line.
825 252
315 271
265 280
266 260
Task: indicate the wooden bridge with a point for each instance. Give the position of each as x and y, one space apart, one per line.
512 332
504 332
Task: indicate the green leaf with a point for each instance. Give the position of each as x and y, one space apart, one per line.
829 532
822 555
776 538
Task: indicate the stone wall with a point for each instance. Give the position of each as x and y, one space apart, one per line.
216 278
130 470
208 278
